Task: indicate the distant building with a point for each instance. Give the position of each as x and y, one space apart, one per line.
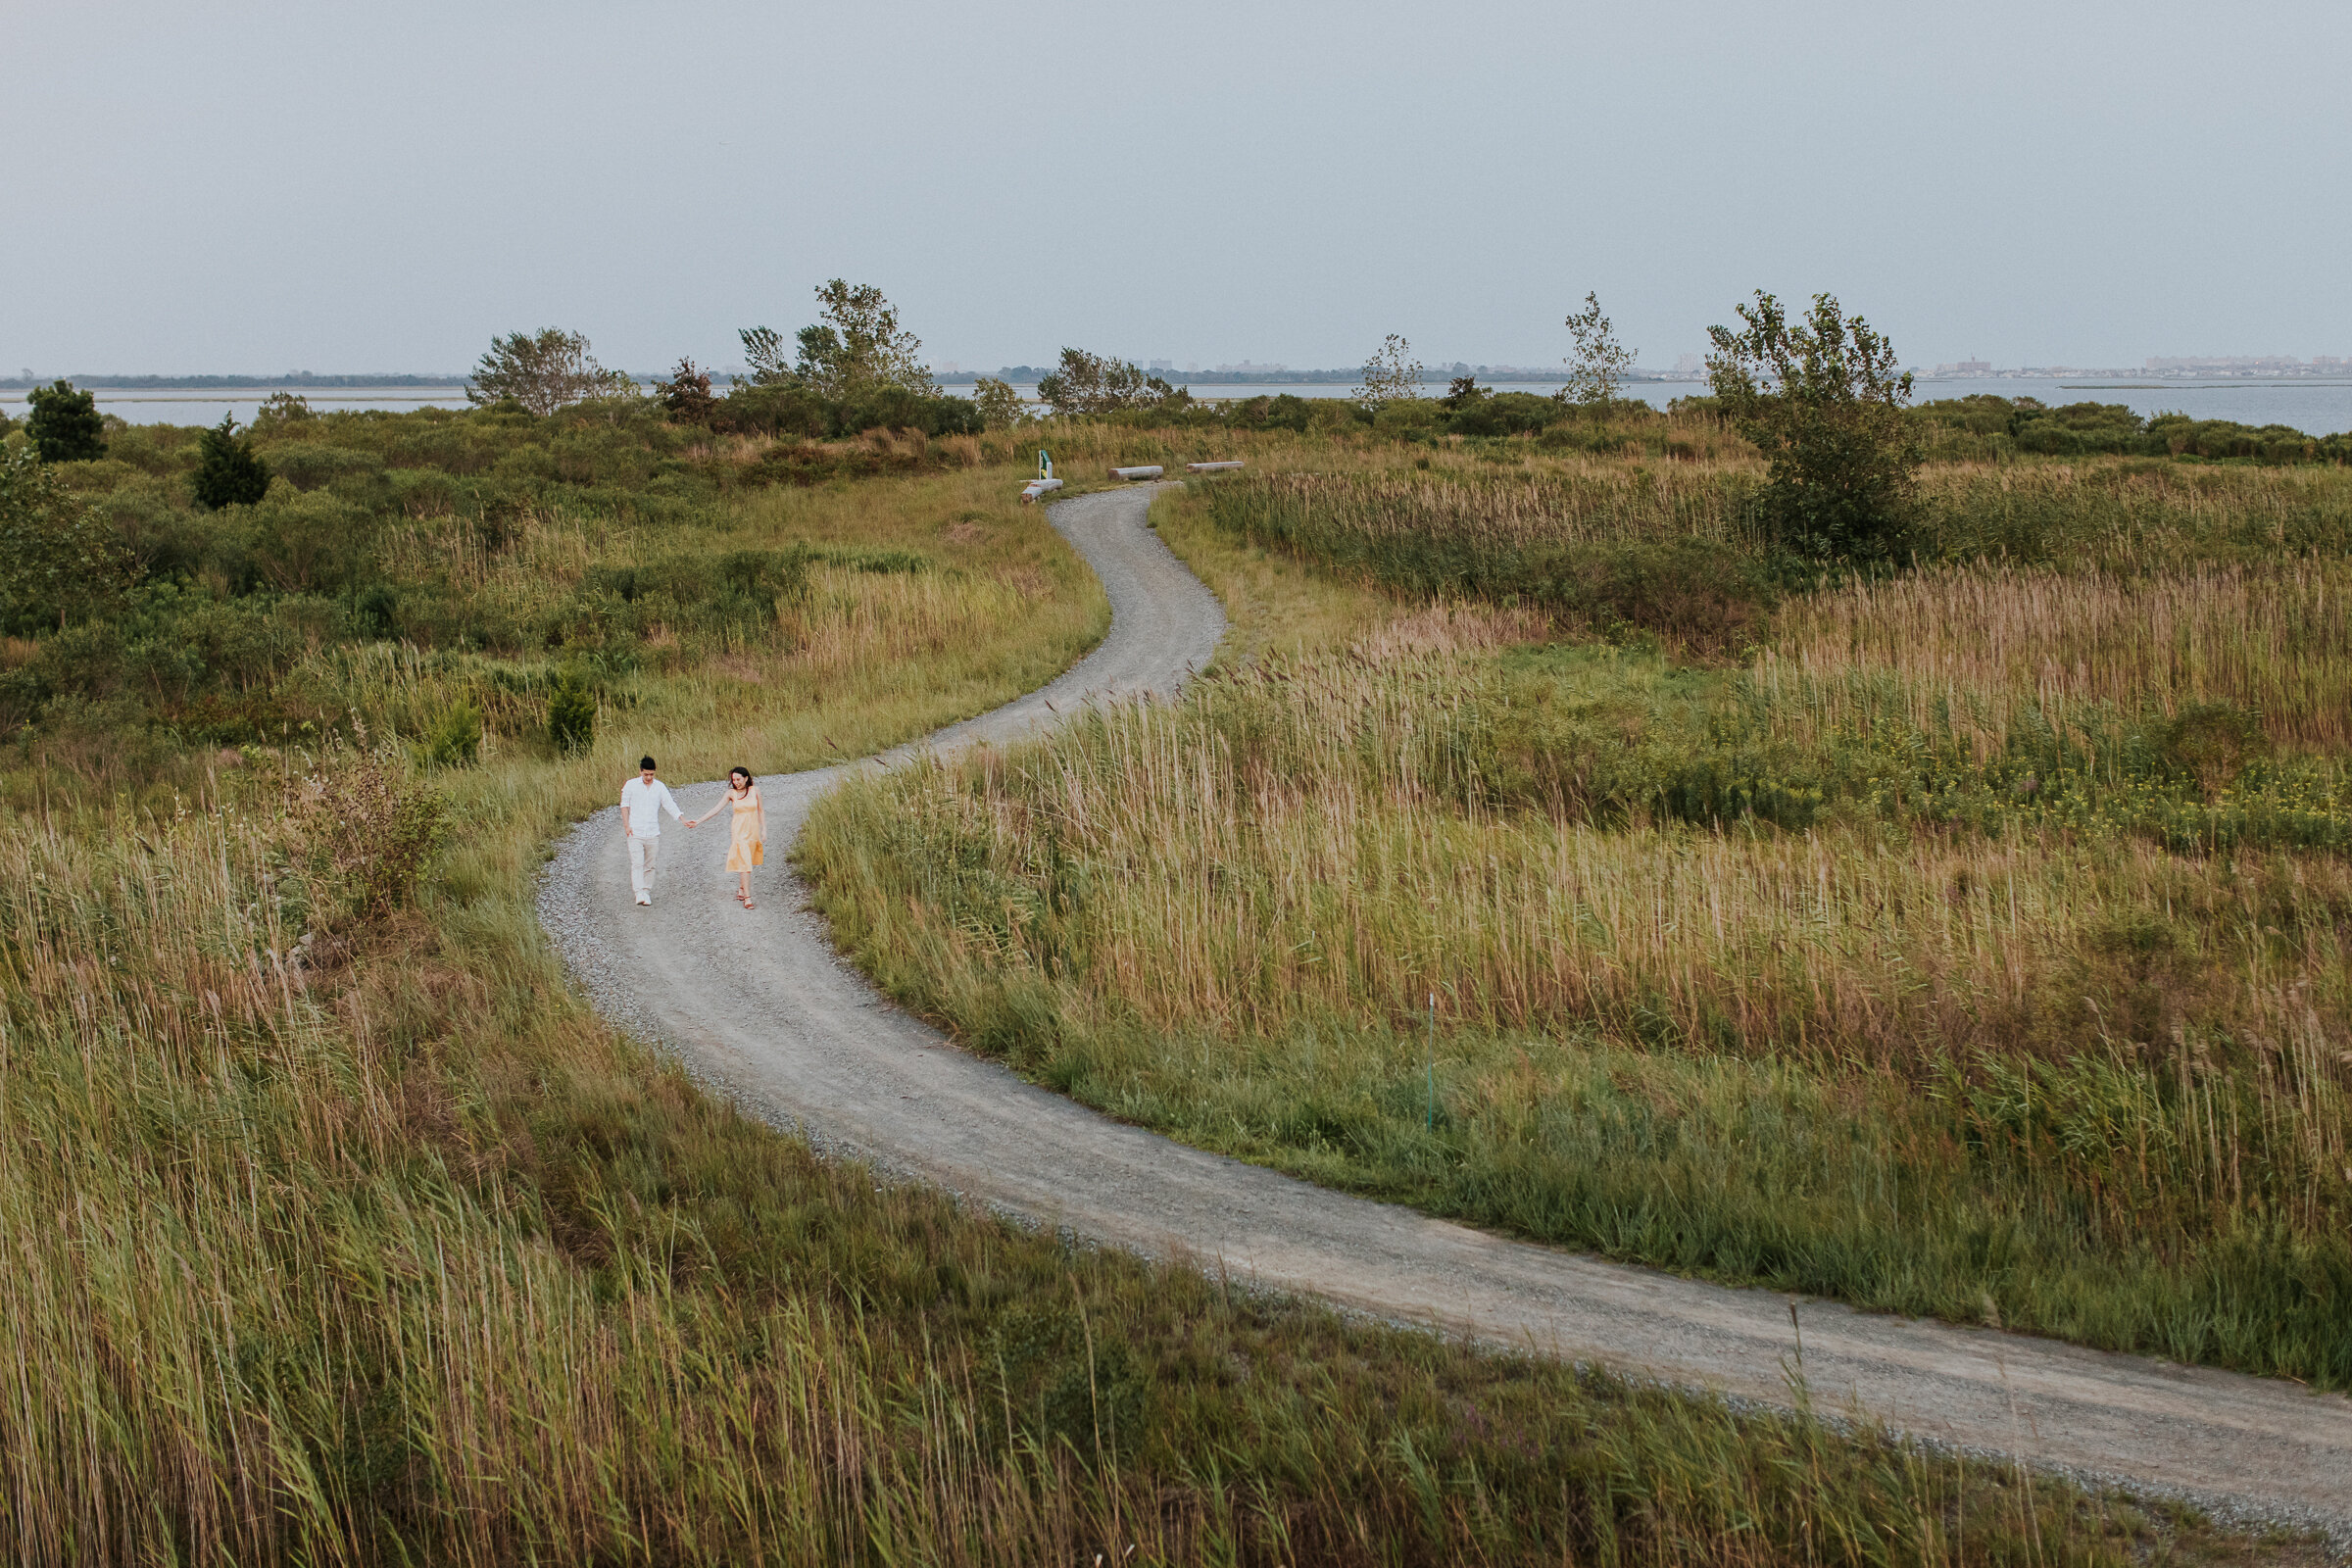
1691 365
1966 367
2234 364
1162 365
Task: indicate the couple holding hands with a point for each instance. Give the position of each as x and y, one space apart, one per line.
645 798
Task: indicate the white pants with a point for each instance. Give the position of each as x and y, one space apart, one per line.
644 851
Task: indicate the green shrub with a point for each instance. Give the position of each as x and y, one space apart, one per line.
64 424
455 738
1690 592
788 409
570 714
779 575
771 411
229 471
313 543
2209 744
311 466
1824 401
368 832
59 560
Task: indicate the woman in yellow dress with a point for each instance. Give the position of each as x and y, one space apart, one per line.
746 836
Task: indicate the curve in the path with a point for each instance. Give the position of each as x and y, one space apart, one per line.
760 1004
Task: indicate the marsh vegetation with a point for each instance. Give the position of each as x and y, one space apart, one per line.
1962 937
340 1230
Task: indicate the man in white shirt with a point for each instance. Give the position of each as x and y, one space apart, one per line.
643 800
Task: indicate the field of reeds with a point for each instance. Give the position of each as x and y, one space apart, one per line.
350 1260
1968 942
339 1230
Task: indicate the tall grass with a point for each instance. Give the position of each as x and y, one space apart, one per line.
2034 1061
1672 551
360 1241
2133 514
1979 648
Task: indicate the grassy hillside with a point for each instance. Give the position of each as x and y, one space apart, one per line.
1968 940
339 1230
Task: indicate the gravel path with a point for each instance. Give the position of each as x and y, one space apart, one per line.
761 1006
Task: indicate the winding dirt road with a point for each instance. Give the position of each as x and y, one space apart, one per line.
797 1036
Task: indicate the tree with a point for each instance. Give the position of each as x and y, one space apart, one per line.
544 371
1464 392
282 408
1096 383
65 426
229 471
1391 375
857 349
1825 403
1599 362
687 394
765 362
59 560
1001 407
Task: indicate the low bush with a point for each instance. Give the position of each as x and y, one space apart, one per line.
455 738
1986 425
1602 556
570 714
784 409
228 473
367 832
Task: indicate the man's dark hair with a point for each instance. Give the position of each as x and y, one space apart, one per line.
645 764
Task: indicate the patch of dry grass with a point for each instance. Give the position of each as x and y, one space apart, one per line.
1984 645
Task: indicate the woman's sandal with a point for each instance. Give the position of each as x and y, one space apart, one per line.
748 904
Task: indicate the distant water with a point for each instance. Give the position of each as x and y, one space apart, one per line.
2314 407
168 406
2319 408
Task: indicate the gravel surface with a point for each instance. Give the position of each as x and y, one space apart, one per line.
762 1008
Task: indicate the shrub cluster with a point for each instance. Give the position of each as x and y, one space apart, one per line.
785 408
1984 424
367 830
191 580
1606 556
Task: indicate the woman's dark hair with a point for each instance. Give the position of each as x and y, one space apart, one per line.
748 781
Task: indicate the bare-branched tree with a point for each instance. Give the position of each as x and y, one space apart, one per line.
1391 375
1597 367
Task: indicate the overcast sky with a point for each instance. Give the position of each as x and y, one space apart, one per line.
256 188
